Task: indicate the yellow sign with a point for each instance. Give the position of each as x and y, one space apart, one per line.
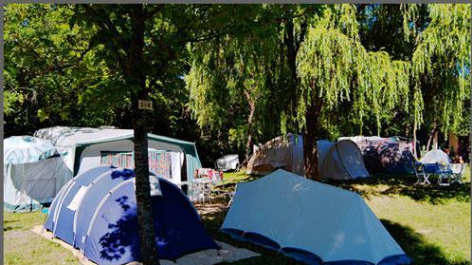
145 104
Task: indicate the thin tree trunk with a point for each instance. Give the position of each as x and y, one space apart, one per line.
136 78
250 122
430 139
414 140
292 50
310 157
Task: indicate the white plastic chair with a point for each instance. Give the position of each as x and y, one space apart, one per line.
457 172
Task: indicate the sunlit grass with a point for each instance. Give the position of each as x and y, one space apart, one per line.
23 247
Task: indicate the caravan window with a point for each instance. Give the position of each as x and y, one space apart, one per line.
159 161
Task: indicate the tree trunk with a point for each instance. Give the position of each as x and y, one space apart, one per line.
430 139
136 79
250 122
292 49
310 157
415 153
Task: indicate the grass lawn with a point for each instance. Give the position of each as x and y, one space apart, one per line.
23 247
432 224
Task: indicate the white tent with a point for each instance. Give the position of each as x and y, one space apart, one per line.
310 221
86 148
33 173
436 156
341 160
281 152
228 162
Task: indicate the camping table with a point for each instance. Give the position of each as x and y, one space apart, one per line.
434 170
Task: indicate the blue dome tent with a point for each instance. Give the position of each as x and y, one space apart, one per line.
96 213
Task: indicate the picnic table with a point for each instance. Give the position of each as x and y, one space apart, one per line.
444 173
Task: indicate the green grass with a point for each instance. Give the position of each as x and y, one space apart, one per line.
444 227
23 247
432 224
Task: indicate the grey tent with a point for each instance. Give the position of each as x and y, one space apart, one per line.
33 173
340 160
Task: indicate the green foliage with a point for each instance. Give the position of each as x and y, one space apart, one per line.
370 66
48 64
334 68
441 65
12 100
230 74
377 69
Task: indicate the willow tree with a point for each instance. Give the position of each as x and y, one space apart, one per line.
336 69
325 67
441 68
230 75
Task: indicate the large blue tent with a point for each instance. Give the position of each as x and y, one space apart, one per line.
96 213
310 221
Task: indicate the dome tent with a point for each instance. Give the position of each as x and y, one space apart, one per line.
435 156
340 160
96 213
281 152
33 173
394 155
310 221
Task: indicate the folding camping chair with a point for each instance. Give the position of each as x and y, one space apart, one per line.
231 195
419 171
444 174
424 171
457 172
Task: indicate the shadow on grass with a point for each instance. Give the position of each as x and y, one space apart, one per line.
417 248
413 243
10 225
405 185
